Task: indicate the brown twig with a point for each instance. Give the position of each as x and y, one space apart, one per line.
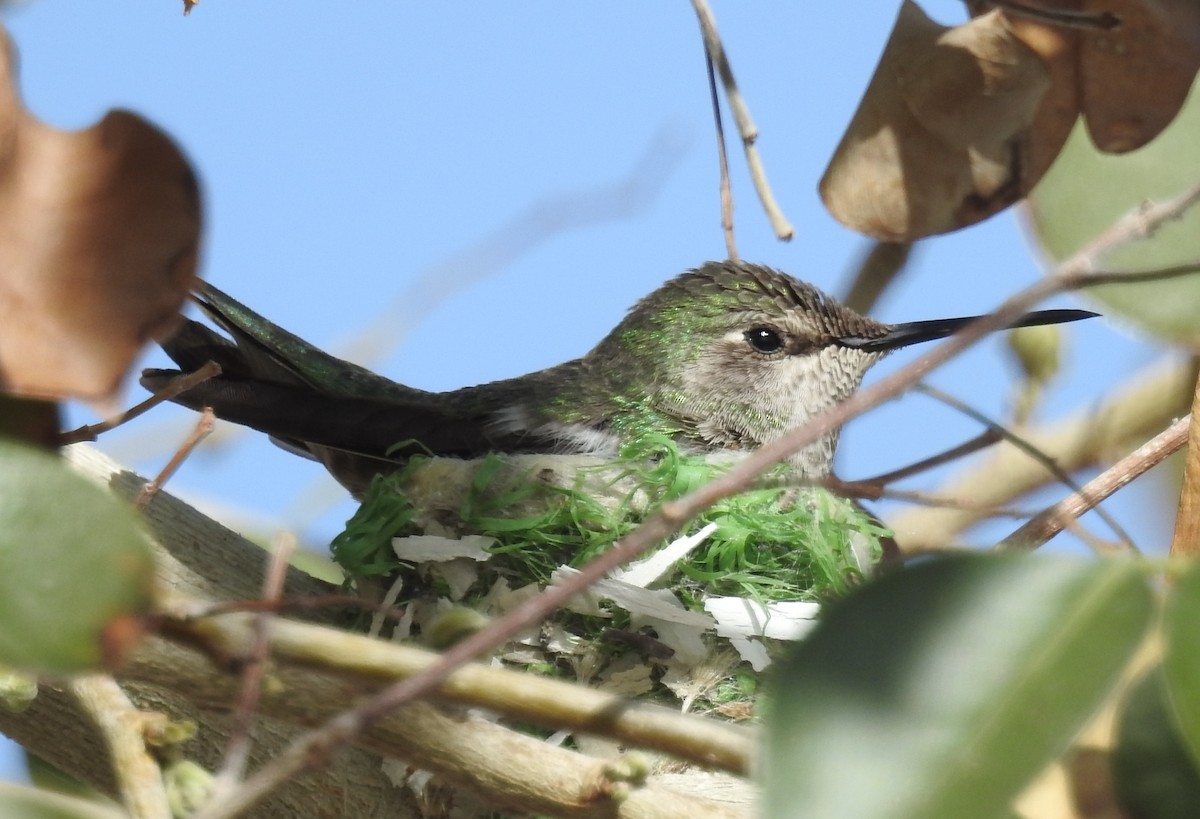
254 669
203 428
869 490
1087 437
982 441
722 161
1065 18
370 662
741 115
1051 521
1097 544
138 776
315 746
386 606
90 432
1029 449
1099 278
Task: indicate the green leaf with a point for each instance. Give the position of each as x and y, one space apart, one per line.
18 802
942 689
1181 655
74 566
1153 773
1085 191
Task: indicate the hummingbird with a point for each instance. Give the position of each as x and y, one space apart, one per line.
722 359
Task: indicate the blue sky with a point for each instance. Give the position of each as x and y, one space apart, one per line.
346 150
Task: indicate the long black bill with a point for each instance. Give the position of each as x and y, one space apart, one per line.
914 332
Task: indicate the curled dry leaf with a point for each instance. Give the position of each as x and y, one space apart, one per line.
99 233
1129 82
940 138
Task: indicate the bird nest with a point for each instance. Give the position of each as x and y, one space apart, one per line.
457 542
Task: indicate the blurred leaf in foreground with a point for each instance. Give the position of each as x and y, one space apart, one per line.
1181 656
1153 772
99 235
942 689
75 569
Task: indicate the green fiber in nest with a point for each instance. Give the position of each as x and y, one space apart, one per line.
774 543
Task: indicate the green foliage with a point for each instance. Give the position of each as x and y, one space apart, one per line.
1181 661
1153 773
940 690
73 563
364 547
770 544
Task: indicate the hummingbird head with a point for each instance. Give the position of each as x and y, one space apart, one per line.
731 355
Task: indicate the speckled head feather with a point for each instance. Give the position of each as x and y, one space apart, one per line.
725 286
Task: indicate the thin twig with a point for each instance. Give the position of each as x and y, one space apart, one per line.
722 161
1051 521
741 115
90 432
363 660
868 490
138 776
1129 415
204 427
386 606
985 439
1100 278
1065 18
312 748
1029 449
1094 542
254 669
1140 223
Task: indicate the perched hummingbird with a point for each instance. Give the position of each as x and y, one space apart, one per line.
722 358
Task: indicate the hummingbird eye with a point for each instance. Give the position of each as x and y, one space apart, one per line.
765 340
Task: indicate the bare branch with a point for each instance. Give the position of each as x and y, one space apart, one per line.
872 491
741 115
91 432
1052 520
139 779
1029 449
203 428
723 162
985 439
1091 435
1066 18
254 668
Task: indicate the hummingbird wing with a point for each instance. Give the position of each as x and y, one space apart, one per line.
357 422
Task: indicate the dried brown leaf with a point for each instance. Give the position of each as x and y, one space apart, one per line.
99 232
1057 46
939 139
1135 78
1128 82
